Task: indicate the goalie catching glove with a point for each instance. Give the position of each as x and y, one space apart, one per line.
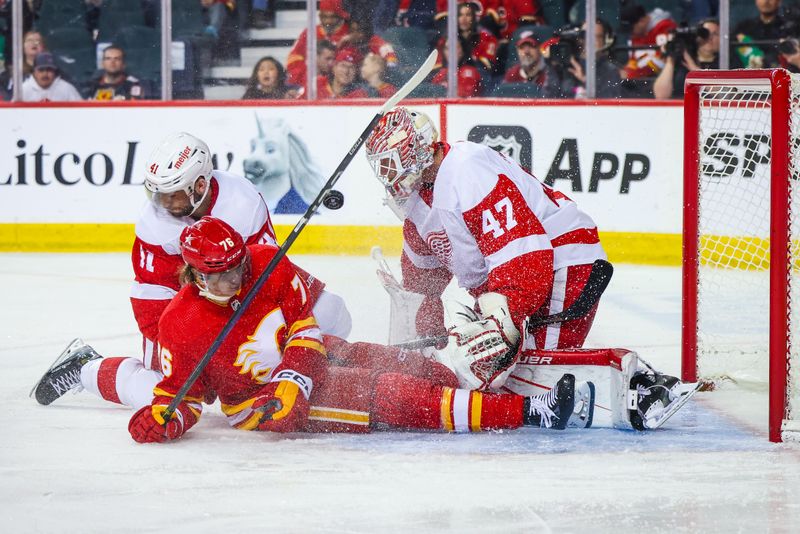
284 402
480 350
147 424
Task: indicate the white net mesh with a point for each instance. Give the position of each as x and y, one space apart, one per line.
734 236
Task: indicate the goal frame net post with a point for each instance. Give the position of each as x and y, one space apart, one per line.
724 93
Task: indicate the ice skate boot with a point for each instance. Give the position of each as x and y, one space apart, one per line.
65 373
565 404
655 397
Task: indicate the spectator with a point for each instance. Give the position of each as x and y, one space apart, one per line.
503 17
646 29
333 27
32 44
268 82
417 13
682 60
217 13
45 85
608 76
531 67
262 14
479 44
341 83
29 14
768 25
789 50
468 76
115 83
363 39
373 69
326 53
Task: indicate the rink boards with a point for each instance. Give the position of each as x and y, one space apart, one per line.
70 176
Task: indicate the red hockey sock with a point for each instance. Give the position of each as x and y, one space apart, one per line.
408 402
107 379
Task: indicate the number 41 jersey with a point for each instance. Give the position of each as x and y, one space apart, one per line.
495 228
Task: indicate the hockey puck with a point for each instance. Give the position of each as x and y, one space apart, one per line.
333 200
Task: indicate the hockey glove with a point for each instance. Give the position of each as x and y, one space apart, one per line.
147 424
284 402
495 306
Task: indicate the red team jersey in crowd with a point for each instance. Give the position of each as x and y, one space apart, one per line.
468 79
496 228
296 63
277 332
649 62
156 249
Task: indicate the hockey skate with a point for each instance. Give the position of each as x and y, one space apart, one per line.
655 397
65 373
567 404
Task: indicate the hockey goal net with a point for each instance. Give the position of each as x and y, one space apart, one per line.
741 236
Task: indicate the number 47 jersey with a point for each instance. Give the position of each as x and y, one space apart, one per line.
495 228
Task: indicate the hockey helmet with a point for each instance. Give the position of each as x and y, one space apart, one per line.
399 148
217 254
175 165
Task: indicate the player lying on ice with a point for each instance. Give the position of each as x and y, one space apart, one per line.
183 187
274 361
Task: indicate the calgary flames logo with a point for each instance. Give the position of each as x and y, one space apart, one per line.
260 354
440 246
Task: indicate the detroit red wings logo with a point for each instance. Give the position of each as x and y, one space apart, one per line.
441 247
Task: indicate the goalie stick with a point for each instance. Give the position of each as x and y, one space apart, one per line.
404 91
597 282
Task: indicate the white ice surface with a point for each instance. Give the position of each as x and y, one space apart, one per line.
72 467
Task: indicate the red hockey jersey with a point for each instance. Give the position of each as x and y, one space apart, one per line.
278 331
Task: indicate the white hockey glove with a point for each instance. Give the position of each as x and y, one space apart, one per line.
477 350
495 306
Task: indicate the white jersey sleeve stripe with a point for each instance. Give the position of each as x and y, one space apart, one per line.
423 262
151 292
517 248
577 254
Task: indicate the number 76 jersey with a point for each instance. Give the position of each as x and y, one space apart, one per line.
495 228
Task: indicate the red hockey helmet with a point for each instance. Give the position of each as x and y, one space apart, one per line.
399 148
211 246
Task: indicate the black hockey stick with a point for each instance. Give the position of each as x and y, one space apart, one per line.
597 282
404 91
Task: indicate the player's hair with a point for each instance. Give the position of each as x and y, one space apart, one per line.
186 275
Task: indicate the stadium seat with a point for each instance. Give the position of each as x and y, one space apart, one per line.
187 19
517 90
411 44
61 14
607 10
428 90
74 52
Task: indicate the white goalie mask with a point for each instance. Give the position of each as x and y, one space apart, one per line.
399 148
175 165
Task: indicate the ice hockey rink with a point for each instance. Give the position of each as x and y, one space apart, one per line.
72 466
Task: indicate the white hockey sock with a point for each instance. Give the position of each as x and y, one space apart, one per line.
120 380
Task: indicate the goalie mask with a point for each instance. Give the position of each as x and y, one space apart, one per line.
175 165
217 255
399 149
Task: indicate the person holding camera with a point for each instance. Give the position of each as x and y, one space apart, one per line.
789 50
687 50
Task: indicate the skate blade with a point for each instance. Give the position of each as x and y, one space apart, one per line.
74 345
686 392
583 417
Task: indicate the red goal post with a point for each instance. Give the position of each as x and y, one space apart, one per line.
741 229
